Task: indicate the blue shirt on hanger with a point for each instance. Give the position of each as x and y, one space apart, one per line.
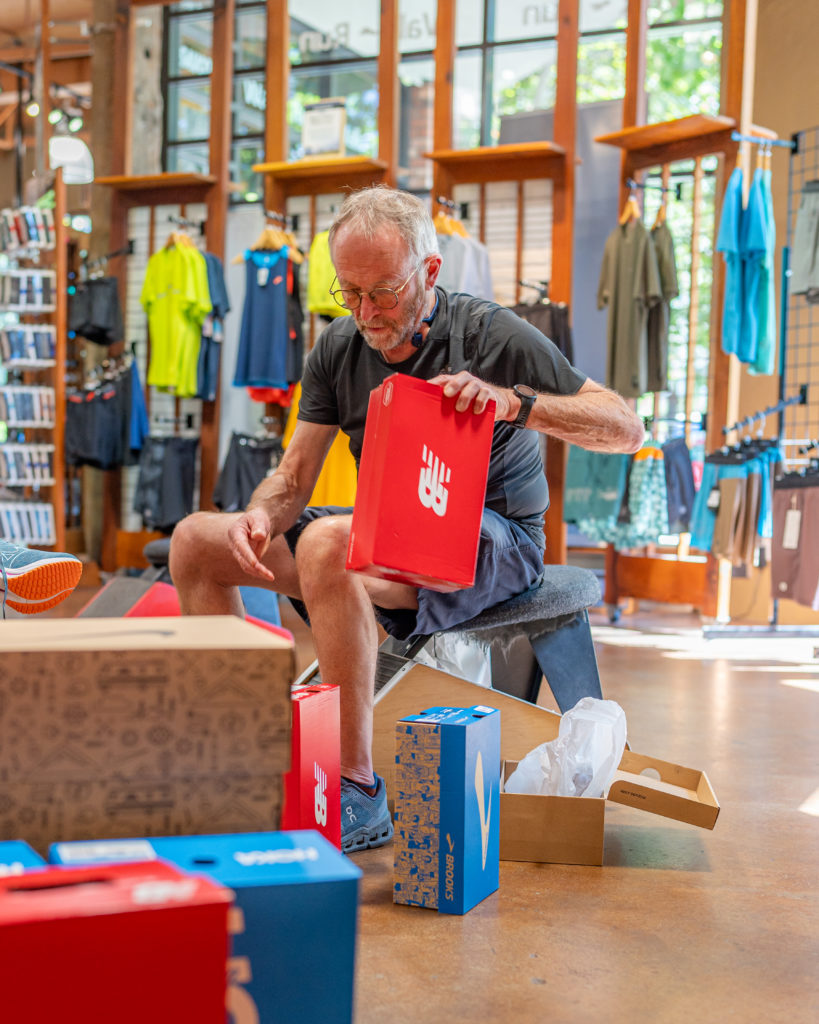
753 245
728 243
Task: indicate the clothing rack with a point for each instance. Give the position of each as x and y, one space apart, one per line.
100 261
185 222
632 185
541 287
287 221
760 140
800 399
450 204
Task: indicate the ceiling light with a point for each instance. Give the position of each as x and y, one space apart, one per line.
55 116
32 108
75 124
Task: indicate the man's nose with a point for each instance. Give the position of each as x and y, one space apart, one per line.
368 307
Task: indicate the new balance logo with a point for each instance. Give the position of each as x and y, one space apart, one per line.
320 806
484 808
431 489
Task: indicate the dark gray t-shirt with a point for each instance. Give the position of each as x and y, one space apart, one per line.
467 334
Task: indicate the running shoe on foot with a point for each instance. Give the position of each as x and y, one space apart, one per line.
33 581
365 819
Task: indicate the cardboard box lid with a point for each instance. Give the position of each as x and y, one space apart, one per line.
680 793
195 632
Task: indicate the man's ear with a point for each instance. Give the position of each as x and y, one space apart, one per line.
433 269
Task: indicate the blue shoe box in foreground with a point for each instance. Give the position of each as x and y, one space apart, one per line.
447 808
294 925
17 857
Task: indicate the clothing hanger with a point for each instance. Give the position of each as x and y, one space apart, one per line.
659 220
631 211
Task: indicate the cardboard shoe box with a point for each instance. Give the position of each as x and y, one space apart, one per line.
122 727
125 942
421 487
447 788
294 924
312 787
546 829
17 857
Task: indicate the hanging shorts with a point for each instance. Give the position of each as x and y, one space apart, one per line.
805 249
509 563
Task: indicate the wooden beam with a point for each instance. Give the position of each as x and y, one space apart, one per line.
277 87
122 89
634 101
694 305
389 94
445 50
221 95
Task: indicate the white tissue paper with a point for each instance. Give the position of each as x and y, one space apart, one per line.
582 760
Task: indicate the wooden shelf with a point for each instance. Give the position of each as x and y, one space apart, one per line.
155 189
139 182
511 162
647 136
322 175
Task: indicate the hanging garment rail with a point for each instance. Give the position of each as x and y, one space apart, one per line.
451 204
758 140
800 399
185 222
100 261
290 221
676 189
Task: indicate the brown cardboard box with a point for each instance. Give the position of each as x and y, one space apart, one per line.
547 829
138 727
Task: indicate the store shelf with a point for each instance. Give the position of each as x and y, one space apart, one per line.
322 175
141 182
511 162
664 133
157 189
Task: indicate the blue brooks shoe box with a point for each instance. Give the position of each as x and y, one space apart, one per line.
17 857
447 808
294 920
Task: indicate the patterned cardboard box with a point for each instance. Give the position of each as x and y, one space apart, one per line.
122 727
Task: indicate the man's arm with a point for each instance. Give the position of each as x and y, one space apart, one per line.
280 499
594 417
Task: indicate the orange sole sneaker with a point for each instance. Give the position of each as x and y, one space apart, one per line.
42 583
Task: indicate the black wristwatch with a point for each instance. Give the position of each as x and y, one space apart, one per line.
527 398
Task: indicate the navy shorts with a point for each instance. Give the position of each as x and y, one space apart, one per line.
509 563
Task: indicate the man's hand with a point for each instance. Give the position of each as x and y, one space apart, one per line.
476 393
249 538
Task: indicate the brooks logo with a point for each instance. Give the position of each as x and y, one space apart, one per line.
431 490
484 808
320 806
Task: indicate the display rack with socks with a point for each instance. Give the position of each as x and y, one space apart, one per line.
33 311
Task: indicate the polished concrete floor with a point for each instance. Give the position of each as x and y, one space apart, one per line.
680 924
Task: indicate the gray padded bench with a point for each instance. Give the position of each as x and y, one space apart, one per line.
542 633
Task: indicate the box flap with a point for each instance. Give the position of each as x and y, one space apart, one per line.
664 788
200 632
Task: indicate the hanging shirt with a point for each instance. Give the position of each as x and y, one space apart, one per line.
264 335
551 319
629 286
659 315
320 276
728 243
338 479
753 246
465 266
766 314
176 298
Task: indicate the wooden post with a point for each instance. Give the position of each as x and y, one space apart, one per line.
60 322
560 289
277 86
634 101
694 306
388 91
442 111
221 94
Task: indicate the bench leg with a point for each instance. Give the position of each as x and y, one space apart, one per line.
567 659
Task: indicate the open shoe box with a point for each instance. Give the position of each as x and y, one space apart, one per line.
547 829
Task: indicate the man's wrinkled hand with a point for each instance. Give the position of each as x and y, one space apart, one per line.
249 538
470 392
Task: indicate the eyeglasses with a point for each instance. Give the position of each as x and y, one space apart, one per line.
384 298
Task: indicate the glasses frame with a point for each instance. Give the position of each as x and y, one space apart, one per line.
336 292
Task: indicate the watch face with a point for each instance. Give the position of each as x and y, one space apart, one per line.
524 391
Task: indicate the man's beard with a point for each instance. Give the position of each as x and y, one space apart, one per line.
400 331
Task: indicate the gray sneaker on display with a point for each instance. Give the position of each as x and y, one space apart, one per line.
33 581
365 819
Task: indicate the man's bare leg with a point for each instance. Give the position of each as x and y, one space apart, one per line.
207 576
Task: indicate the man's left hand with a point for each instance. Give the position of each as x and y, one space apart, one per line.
475 394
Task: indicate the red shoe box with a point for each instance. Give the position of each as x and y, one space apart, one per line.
120 942
312 787
421 487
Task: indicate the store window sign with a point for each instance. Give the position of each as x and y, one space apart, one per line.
253 93
191 62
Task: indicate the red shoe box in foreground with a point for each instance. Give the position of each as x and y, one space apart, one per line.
312 787
125 942
421 487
